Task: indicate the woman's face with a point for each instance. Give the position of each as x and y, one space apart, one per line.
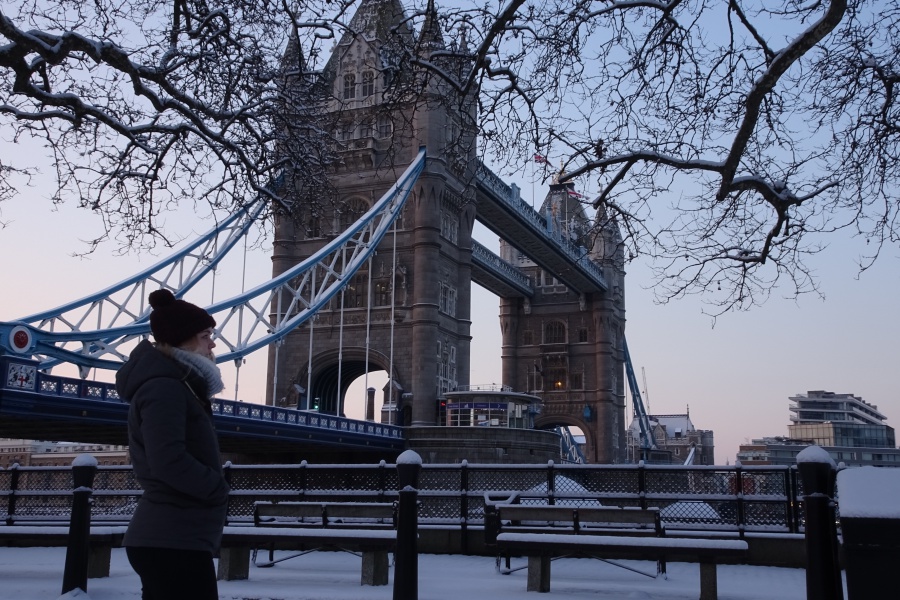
202 344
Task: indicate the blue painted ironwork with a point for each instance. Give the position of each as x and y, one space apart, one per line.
637 402
26 392
244 323
569 447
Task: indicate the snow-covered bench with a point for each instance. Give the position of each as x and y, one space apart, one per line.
365 527
32 533
526 518
544 532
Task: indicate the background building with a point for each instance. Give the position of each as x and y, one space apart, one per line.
850 429
674 436
31 453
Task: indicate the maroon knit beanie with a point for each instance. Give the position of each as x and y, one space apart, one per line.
175 321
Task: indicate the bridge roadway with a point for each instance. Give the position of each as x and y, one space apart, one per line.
45 407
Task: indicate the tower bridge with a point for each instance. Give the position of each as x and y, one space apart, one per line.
360 285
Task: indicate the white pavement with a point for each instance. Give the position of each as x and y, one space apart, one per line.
36 574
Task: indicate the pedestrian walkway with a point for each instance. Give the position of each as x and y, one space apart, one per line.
36 574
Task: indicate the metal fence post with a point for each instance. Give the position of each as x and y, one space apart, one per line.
740 509
642 484
406 557
823 572
551 483
78 549
13 487
464 504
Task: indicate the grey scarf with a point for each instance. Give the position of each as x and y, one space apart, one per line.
204 366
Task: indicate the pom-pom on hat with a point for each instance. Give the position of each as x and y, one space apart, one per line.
176 321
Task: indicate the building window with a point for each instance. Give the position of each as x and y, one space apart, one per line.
313 227
347 132
366 129
385 126
355 294
349 86
555 373
582 335
555 333
576 381
448 299
449 227
382 293
368 83
446 380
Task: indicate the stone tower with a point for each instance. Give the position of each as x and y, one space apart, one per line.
567 347
380 108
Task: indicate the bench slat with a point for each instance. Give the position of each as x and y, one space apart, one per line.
692 546
322 513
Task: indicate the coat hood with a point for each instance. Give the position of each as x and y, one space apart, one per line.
145 363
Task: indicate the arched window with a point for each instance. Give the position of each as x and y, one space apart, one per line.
349 86
368 83
555 333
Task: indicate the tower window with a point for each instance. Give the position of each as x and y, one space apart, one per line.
385 126
368 83
349 86
448 299
555 333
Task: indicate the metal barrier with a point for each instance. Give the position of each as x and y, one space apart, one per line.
714 498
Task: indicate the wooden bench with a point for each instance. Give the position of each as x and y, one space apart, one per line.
521 518
103 538
365 527
544 532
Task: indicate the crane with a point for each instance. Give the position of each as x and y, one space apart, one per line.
638 406
645 392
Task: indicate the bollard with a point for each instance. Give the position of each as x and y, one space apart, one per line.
406 557
823 571
870 529
75 575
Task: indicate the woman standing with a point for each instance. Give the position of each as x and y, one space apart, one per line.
177 525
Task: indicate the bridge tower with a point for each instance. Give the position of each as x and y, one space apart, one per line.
418 285
566 347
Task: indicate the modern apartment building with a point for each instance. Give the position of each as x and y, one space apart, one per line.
849 428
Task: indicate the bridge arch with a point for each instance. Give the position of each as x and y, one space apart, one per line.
334 370
548 423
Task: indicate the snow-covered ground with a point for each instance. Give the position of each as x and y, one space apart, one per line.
36 574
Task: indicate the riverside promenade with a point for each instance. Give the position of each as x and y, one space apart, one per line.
36 574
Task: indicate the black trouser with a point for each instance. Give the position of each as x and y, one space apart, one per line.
171 574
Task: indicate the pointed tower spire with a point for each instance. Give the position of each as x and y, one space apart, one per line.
430 38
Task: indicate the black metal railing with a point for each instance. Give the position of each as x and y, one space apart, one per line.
714 498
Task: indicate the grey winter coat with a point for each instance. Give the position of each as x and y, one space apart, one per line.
175 454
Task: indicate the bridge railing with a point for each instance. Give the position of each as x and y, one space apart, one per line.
500 266
719 499
289 416
509 195
24 376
